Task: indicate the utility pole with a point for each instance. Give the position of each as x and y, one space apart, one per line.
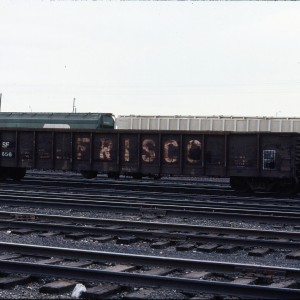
74 107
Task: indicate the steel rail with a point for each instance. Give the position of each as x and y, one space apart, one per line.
221 288
145 186
103 177
93 194
134 279
144 234
128 185
142 186
165 282
179 263
170 210
168 203
151 200
199 229
257 197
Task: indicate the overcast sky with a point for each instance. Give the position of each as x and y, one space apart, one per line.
151 58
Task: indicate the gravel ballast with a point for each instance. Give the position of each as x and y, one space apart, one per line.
276 258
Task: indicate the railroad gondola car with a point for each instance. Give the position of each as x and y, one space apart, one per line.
253 161
57 120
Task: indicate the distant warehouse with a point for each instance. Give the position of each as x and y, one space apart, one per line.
209 123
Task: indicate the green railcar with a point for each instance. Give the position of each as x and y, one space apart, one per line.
57 120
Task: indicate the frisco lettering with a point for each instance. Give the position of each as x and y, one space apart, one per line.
170 150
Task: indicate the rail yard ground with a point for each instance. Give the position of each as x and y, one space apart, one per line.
225 246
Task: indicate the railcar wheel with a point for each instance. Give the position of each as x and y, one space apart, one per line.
156 177
289 188
264 185
3 174
137 176
239 184
113 175
89 174
17 173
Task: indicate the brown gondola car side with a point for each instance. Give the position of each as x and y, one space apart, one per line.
253 161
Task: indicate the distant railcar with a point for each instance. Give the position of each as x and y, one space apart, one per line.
253 161
211 123
57 120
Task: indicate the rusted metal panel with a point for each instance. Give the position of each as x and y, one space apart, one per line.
150 159
8 149
44 150
26 149
242 155
105 152
62 151
277 155
81 151
129 153
215 158
171 154
193 154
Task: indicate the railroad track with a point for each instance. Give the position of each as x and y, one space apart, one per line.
169 187
183 180
185 276
275 250
208 186
186 237
246 201
133 185
164 206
